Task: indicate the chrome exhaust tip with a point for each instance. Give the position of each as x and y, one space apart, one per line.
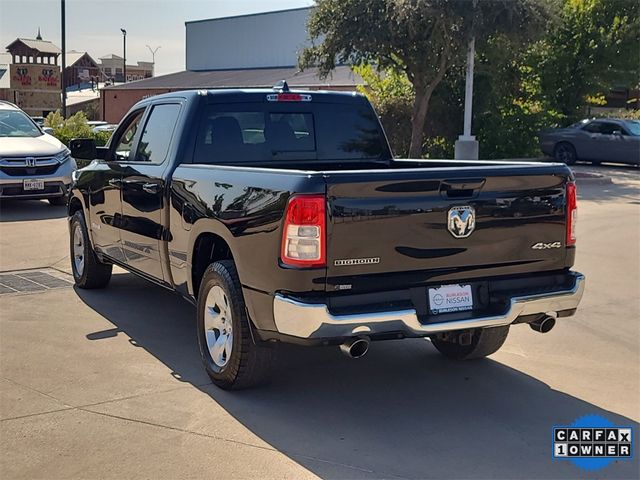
355 347
543 325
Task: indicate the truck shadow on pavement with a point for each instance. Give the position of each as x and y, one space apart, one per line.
402 410
22 210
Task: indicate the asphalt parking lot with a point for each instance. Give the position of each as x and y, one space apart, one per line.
108 384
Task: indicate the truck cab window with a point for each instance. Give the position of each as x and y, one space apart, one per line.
158 131
242 133
250 135
124 143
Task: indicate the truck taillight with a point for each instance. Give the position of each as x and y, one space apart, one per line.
572 213
304 233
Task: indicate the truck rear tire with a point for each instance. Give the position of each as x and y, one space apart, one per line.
484 342
88 271
229 354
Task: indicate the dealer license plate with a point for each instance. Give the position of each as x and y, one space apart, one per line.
450 298
33 184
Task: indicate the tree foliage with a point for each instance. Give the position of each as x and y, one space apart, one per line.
391 94
421 38
593 47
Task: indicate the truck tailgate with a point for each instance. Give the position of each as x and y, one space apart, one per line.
390 230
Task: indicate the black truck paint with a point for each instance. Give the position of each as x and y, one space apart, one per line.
166 219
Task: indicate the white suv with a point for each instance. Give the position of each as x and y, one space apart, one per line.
33 164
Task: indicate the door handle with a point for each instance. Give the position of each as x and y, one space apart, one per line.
115 182
151 187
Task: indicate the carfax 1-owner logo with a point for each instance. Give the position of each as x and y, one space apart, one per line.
592 442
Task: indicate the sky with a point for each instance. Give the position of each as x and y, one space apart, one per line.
94 25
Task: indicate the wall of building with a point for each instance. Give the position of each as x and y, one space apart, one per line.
91 109
115 103
112 68
35 88
251 41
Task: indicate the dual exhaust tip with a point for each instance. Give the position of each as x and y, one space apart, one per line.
358 347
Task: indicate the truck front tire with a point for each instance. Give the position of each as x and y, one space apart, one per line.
484 342
229 354
88 271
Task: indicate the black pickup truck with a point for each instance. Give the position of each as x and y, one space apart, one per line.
284 217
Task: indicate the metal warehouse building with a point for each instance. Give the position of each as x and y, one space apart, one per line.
255 50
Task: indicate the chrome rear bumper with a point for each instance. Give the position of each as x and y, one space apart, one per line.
314 321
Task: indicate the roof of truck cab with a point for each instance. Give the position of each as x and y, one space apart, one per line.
257 95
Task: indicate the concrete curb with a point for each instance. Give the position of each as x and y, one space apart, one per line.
586 178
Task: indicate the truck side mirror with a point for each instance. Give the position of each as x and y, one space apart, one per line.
83 148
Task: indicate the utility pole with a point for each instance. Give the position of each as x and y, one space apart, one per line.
466 147
124 54
153 57
63 85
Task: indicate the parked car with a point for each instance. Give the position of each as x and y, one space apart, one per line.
104 127
597 140
33 164
39 121
284 217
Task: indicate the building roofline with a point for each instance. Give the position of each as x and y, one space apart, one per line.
240 69
22 40
142 84
248 15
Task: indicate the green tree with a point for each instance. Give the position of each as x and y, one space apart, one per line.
391 94
422 38
593 47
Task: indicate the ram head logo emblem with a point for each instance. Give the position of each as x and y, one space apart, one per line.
461 221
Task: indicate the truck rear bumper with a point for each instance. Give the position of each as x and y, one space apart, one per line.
314 321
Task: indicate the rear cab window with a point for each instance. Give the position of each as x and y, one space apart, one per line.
263 132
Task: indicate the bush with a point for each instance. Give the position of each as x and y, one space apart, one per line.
75 126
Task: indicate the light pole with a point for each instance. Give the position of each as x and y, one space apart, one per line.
63 84
124 53
153 57
467 147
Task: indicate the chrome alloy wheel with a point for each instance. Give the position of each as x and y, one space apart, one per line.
78 249
218 326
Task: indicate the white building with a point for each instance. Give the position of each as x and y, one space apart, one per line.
272 39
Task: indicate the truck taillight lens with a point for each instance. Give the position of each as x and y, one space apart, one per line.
572 213
304 234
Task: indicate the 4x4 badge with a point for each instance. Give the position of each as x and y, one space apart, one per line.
461 221
546 246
